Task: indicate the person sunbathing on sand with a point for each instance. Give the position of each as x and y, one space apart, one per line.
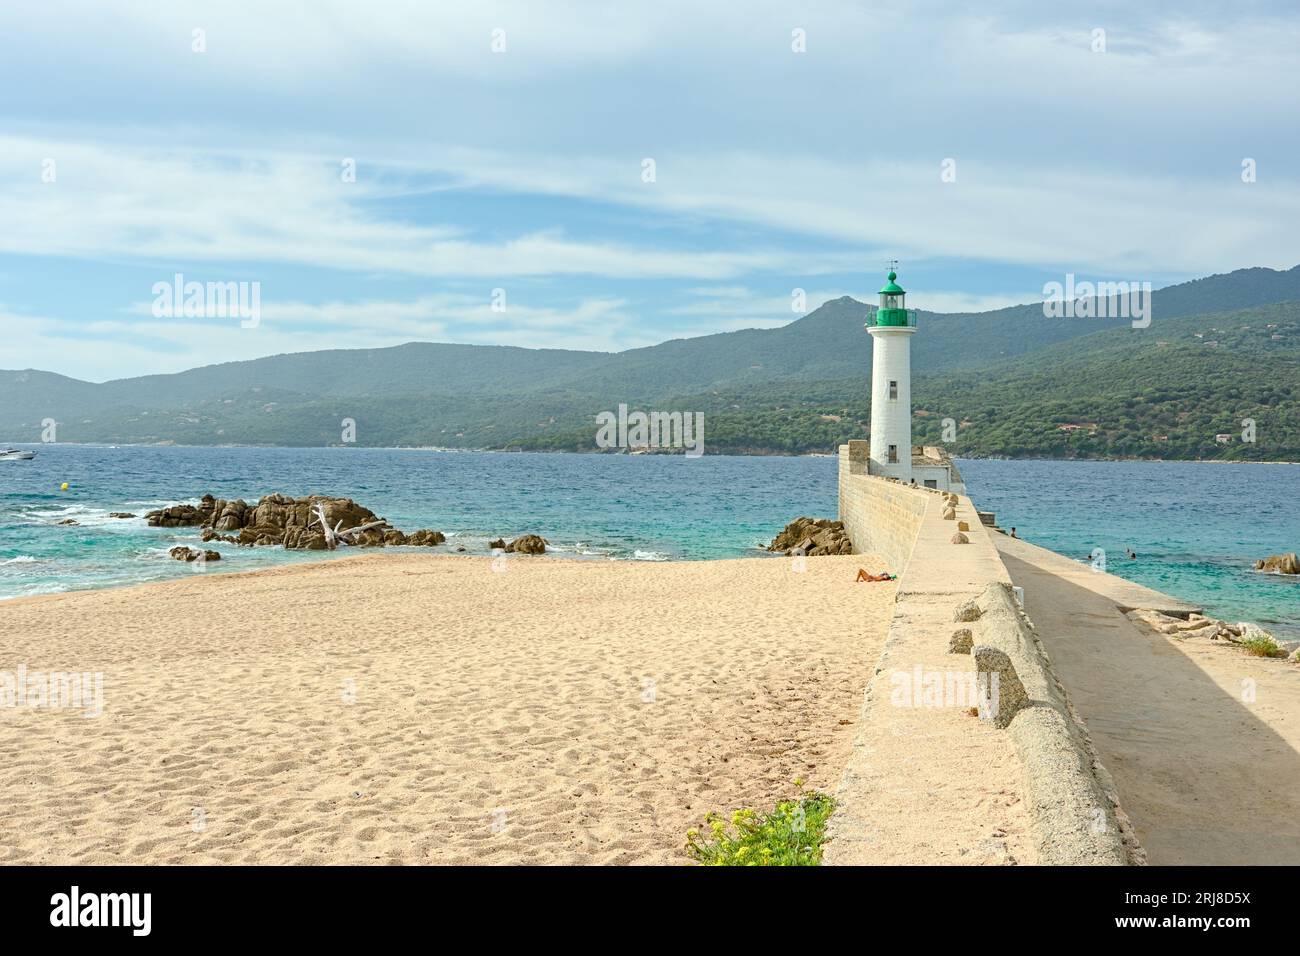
882 576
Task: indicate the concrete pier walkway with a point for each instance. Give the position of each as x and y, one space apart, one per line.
1203 741
1117 591
928 785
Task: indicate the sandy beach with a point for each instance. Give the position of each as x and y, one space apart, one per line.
417 709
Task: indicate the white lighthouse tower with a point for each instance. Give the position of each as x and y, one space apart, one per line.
892 328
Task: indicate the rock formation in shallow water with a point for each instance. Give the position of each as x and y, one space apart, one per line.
1200 627
1280 563
179 516
194 554
812 537
527 544
425 538
291 523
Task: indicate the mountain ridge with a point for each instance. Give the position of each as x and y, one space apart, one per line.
497 396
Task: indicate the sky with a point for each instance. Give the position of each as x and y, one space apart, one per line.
609 176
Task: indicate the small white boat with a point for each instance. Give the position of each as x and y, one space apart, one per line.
14 454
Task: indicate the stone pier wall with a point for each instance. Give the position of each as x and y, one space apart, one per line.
881 517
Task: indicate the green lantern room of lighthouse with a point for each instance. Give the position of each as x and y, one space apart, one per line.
893 310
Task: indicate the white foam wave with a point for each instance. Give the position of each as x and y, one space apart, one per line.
580 548
82 514
32 590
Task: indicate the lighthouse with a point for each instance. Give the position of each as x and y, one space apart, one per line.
892 328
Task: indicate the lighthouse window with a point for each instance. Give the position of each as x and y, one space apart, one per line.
893 454
893 391
891 302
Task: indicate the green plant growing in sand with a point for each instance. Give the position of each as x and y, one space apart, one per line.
1263 647
791 835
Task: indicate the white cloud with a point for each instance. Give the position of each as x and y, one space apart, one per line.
733 302
1067 160
937 301
97 350
1060 217
1042 129
187 206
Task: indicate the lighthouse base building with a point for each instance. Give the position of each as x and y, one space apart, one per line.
892 452
932 468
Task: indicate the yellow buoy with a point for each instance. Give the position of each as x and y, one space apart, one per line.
63 487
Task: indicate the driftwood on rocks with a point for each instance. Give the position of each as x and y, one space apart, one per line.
336 535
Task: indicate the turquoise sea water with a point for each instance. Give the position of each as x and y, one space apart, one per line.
1195 527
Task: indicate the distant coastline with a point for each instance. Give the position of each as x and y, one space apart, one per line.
670 452
651 452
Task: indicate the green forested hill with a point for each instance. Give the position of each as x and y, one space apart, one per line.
1159 392
1012 378
1164 392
